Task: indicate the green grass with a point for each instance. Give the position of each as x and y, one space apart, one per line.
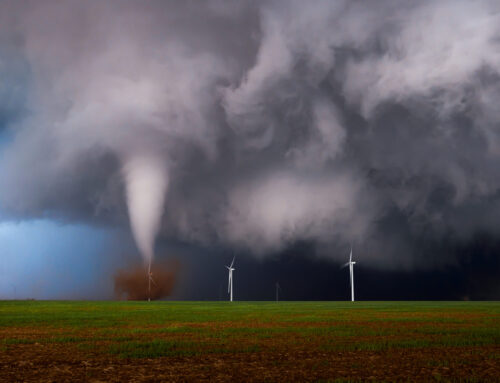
170 348
18 341
154 349
110 314
156 329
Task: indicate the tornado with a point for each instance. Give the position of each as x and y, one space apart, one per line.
146 180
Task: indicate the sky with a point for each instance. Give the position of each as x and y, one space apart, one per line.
279 132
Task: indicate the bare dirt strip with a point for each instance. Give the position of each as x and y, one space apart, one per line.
283 358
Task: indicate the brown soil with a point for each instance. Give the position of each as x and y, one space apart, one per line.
279 360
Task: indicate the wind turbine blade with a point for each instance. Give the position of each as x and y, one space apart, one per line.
152 280
229 283
344 265
232 263
350 255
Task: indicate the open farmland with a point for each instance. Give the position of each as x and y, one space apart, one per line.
249 341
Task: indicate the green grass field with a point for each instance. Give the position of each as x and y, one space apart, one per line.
223 341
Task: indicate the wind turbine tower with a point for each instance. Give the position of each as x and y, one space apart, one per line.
351 264
230 282
150 280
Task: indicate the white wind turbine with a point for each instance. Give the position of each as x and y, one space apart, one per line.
351 273
151 280
230 282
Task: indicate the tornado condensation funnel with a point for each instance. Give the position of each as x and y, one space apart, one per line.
146 179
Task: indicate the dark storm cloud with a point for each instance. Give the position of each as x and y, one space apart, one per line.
275 122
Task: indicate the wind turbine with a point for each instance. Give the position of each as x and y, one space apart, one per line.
230 282
150 280
351 273
278 288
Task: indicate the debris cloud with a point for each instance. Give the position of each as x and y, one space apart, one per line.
132 283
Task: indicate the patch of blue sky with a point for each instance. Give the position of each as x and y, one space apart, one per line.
42 259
